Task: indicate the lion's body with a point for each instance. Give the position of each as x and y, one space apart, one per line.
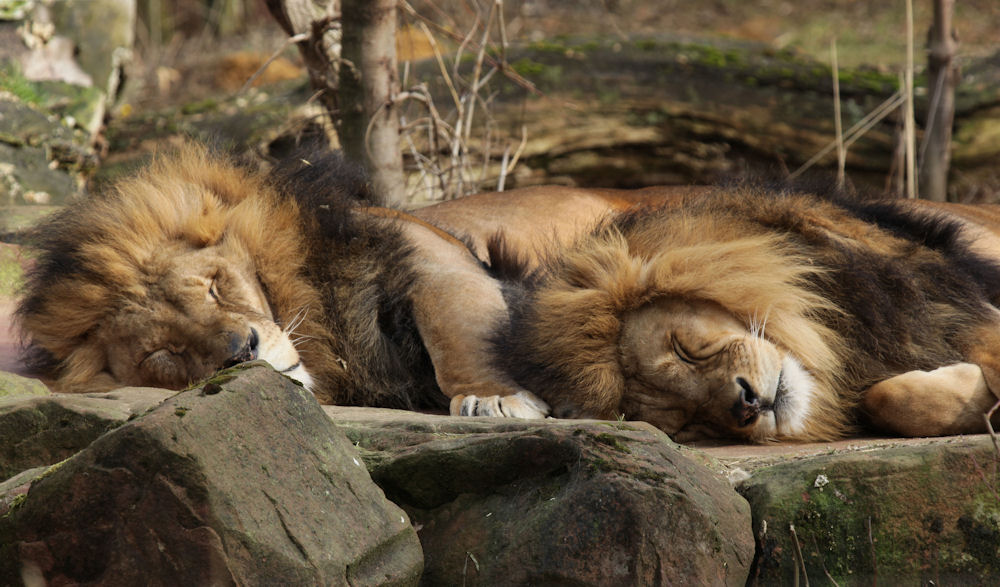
536 220
854 293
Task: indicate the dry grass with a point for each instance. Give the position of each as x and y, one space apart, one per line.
453 151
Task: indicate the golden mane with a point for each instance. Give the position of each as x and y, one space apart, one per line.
98 252
575 315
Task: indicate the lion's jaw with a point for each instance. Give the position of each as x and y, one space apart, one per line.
695 371
199 311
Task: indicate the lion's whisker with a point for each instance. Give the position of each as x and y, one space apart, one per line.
758 325
298 340
297 320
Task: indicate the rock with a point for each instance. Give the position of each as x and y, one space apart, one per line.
39 428
243 480
13 262
14 490
922 513
27 179
521 502
102 33
60 69
13 386
495 501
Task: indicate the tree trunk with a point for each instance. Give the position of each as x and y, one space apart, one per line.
318 24
368 125
942 81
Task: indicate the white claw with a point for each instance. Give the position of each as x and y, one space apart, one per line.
522 404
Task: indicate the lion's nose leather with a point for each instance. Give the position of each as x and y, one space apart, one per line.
242 349
747 407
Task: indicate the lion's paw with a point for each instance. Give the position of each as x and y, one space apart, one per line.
522 404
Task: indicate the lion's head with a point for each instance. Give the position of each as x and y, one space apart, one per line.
188 267
724 375
704 325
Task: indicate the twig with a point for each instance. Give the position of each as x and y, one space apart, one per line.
477 72
457 157
991 485
855 132
465 567
799 559
440 61
503 168
508 72
909 128
931 117
275 55
823 564
989 426
520 148
871 544
503 32
838 125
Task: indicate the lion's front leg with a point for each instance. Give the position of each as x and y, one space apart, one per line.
457 305
947 400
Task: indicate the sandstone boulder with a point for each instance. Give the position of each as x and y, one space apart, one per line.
521 502
243 480
40 428
920 512
14 386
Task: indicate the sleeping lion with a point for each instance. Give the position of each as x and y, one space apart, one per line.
706 312
757 315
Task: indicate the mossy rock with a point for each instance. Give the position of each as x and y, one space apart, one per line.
904 515
13 387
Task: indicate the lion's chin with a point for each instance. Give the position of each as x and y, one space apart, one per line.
793 398
786 417
298 373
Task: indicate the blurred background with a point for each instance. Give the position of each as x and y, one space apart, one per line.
619 93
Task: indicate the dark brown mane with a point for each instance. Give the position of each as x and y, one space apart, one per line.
362 268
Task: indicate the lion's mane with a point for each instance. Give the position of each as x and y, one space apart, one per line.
856 291
345 274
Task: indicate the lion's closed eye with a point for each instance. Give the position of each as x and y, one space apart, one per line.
682 353
693 351
213 290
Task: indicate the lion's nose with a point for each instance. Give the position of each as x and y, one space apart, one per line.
747 407
242 350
